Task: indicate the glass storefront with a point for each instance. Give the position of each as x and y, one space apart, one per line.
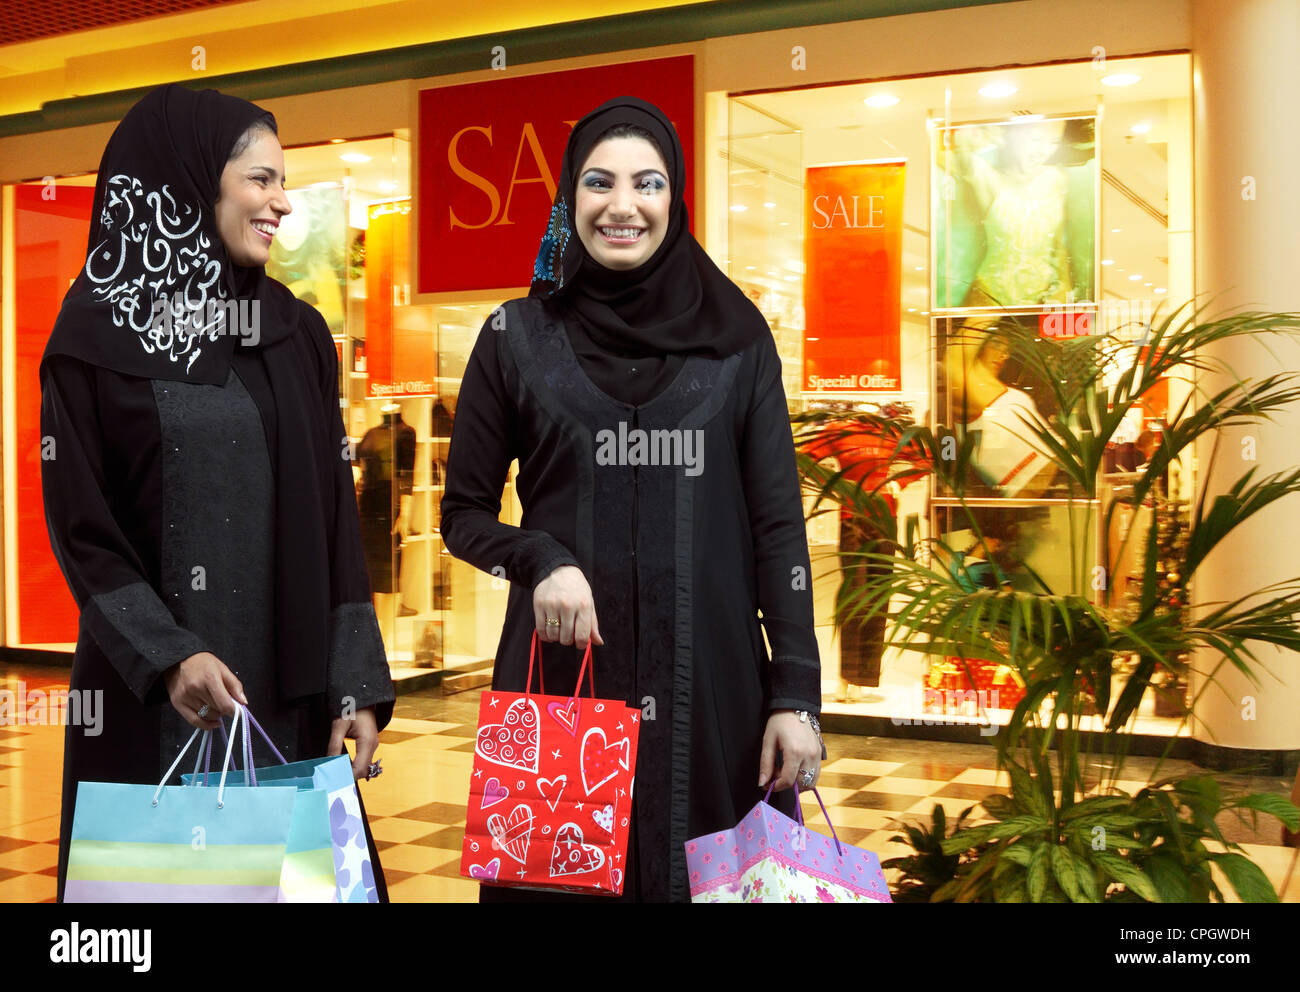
1059 196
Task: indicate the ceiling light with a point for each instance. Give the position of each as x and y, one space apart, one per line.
1116 230
911 309
337 141
995 91
1148 285
1161 289
356 158
750 268
1142 127
1134 278
920 268
881 100
739 208
770 205
388 186
1121 79
1107 261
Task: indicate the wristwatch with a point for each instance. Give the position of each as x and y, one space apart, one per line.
806 717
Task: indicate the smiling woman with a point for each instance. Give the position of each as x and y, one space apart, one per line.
623 199
252 197
198 506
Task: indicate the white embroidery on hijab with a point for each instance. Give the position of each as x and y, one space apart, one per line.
149 227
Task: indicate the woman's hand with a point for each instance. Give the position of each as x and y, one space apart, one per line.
565 596
799 746
203 680
362 728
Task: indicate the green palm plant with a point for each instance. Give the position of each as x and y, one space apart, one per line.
1065 641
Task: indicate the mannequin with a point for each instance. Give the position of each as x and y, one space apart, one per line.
386 455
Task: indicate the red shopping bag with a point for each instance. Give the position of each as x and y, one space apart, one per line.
550 796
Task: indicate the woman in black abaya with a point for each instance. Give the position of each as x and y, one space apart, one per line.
629 326
200 499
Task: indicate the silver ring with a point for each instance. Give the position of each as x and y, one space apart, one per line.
552 621
375 770
807 777
203 712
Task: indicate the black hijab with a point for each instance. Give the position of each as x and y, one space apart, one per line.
642 322
154 243
153 236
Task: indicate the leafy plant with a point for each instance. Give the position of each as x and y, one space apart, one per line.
1066 642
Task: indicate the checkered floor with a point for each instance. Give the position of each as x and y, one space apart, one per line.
417 807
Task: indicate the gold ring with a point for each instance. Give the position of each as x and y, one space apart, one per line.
552 621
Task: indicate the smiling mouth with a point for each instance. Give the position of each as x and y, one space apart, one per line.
621 235
264 228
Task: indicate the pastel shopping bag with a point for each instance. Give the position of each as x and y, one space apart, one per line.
550 797
768 857
141 843
328 859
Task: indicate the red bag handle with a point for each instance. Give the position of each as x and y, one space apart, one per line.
587 669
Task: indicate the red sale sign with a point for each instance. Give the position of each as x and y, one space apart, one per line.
489 157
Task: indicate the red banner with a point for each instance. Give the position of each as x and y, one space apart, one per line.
853 252
399 348
489 159
51 225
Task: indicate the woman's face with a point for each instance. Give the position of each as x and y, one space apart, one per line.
622 202
252 201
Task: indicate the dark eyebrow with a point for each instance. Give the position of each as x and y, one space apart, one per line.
266 168
635 175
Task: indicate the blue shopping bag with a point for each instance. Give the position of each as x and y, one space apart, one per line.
328 826
140 843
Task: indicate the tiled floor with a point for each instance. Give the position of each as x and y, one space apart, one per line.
417 807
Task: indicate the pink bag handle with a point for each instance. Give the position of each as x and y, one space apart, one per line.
587 669
798 809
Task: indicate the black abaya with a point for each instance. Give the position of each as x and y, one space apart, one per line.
681 559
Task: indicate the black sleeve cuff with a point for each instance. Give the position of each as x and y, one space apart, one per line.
796 684
358 667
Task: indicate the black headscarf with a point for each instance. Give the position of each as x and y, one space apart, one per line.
153 234
677 303
154 241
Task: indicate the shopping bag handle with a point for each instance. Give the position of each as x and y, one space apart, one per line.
587 669
248 751
798 808
225 766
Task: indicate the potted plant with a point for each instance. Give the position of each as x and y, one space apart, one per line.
1064 831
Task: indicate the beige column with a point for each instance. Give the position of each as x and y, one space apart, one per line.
1246 80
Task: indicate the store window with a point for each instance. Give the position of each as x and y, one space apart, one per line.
876 223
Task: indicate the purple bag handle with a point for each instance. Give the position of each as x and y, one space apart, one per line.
798 808
248 751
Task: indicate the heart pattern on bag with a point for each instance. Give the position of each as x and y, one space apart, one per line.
616 879
487 872
514 741
604 819
552 788
566 714
600 760
512 834
494 792
571 856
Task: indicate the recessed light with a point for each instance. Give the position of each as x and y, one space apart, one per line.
1142 127
1161 289
1117 230
911 309
1121 79
388 186
1148 285
920 268
750 268
1134 278
783 223
996 91
1107 261
356 158
770 205
337 141
881 100
739 208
